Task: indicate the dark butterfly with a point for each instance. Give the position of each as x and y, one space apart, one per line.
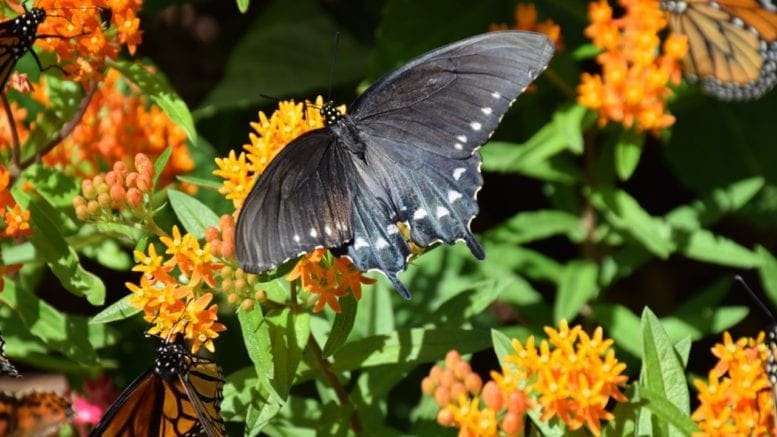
732 45
179 396
406 153
16 39
33 414
5 365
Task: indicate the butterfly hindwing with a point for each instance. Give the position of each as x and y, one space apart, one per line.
300 202
732 45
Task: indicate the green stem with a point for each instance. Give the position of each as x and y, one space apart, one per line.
342 395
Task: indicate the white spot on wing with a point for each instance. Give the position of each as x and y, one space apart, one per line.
381 243
359 243
327 230
419 214
496 95
313 233
462 138
442 212
458 146
392 229
486 110
453 196
475 126
458 172
296 238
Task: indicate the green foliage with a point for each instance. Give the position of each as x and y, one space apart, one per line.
600 226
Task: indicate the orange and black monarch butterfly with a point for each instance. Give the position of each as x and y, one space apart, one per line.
732 45
5 366
33 414
179 396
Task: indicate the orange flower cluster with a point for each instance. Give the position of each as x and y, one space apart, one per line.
633 87
116 190
329 277
84 42
117 125
271 135
526 19
178 303
737 398
15 221
571 376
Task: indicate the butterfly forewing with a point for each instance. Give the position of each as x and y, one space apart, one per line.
300 202
450 100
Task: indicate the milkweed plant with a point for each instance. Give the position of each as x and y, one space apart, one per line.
619 202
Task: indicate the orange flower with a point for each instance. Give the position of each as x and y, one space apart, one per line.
17 222
572 375
526 19
632 88
119 123
737 397
329 279
84 46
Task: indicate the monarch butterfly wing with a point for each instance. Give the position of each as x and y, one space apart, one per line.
300 202
203 385
731 46
41 414
137 411
8 42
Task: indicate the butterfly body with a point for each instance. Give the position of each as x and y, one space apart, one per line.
179 396
732 45
405 154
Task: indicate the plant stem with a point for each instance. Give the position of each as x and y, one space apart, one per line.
323 365
66 130
16 168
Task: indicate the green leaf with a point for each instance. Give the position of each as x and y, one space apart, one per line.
530 226
67 334
504 259
503 345
662 370
715 205
622 325
161 162
628 149
285 52
154 84
242 5
562 133
200 182
466 304
51 246
768 272
624 213
407 346
342 325
119 310
576 286
703 245
194 215
663 408
18 253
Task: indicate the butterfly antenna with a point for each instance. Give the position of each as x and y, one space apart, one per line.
755 297
332 66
